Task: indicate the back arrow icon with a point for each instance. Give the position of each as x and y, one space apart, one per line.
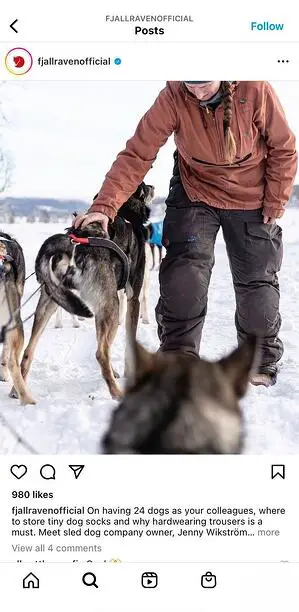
12 26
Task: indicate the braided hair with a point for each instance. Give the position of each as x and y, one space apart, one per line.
230 143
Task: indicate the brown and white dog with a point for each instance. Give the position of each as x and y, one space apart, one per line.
12 280
85 279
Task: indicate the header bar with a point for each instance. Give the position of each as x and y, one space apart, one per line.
155 21
131 61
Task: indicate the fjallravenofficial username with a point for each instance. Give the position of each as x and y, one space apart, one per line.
74 61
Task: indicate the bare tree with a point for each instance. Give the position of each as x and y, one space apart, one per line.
6 168
44 216
6 164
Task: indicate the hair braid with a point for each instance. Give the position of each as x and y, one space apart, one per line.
230 143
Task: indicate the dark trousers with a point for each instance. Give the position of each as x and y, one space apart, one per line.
255 254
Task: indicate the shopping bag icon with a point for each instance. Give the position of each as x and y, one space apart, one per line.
208 580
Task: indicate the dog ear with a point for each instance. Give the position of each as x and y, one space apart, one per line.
140 362
242 363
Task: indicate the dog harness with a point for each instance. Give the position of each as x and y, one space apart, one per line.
156 238
106 243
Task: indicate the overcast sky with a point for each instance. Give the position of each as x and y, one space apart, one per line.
64 136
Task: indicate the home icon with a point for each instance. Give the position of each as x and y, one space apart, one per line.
31 582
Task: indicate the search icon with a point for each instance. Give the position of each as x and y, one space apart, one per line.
90 579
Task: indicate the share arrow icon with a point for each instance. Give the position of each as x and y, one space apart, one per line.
77 469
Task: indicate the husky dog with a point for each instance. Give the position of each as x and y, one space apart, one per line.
175 403
12 280
84 279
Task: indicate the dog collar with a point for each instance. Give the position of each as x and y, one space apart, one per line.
111 246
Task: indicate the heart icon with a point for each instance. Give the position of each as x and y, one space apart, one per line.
18 471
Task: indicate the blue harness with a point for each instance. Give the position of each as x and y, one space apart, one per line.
156 238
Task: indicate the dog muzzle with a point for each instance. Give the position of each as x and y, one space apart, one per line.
3 260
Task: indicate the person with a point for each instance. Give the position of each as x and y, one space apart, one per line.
234 166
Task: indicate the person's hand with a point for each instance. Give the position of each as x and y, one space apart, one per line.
271 220
84 220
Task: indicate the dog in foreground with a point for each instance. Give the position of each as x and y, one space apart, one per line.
178 404
84 279
12 280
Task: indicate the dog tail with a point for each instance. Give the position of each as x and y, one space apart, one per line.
58 246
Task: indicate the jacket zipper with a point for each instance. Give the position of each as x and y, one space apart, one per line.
219 137
237 163
207 111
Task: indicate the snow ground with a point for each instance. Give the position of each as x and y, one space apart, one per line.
74 405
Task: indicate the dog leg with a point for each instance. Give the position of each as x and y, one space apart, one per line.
4 372
153 256
75 321
145 286
44 311
106 328
131 328
15 343
122 306
144 299
58 320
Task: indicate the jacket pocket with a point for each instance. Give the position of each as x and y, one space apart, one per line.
239 162
266 231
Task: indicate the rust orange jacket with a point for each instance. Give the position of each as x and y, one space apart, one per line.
261 176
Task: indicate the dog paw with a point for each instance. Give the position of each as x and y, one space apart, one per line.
58 326
4 376
116 393
13 394
27 399
145 321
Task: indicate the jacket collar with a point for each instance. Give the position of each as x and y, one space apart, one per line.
189 96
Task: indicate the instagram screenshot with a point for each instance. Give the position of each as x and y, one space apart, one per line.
149 343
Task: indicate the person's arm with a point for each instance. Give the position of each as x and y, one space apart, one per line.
281 162
133 163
